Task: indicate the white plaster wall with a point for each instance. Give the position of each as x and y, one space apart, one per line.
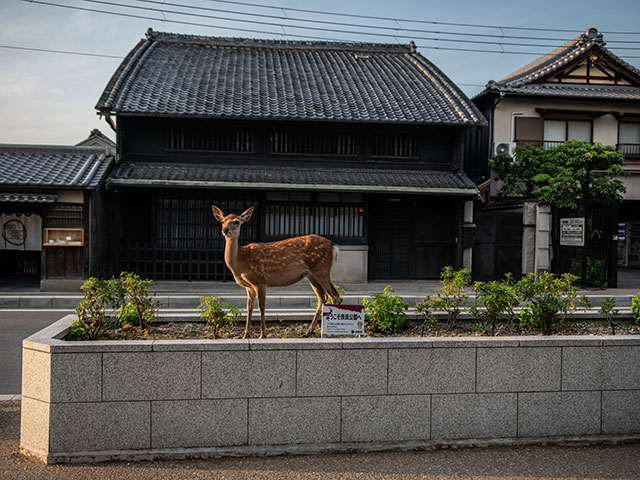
352 264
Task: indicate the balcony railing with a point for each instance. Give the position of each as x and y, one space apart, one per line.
546 144
629 149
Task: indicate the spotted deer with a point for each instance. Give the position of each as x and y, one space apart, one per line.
277 264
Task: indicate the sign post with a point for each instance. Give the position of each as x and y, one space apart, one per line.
342 320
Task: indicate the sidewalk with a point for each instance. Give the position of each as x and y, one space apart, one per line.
495 463
186 295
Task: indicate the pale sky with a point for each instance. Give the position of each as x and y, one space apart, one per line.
49 98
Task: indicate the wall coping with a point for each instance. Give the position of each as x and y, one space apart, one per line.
50 340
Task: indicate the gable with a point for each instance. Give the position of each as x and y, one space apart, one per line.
593 68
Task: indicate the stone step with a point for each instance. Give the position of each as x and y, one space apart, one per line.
273 301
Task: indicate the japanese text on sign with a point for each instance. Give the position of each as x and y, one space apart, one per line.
342 320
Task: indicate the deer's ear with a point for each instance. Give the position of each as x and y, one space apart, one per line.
246 215
217 213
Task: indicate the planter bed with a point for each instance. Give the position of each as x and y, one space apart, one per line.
149 399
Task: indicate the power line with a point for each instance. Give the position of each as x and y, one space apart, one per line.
411 20
397 28
33 49
322 29
283 33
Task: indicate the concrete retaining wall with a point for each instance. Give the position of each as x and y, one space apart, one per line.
89 401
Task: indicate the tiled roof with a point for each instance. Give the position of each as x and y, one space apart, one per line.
53 166
27 197
523 81
185 75
303 178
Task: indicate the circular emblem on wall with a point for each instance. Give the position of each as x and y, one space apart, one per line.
14 232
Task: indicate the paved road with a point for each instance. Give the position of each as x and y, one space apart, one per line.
495 463
16 325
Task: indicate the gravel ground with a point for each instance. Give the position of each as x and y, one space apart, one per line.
496 463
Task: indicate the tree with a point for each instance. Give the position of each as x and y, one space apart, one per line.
563 176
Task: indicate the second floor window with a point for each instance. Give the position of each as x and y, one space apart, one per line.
560 131
209 140
312 143
629 138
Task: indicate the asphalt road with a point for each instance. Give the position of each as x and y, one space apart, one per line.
15 326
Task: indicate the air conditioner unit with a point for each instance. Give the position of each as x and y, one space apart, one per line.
503 147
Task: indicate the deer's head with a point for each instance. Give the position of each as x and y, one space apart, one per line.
231 223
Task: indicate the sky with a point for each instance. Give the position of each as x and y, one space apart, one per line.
49 98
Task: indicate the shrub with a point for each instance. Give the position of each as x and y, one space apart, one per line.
610 312
451 298
635 308
548 300
136 292
109 303
218 315
386 312
595 271
493 300
93 313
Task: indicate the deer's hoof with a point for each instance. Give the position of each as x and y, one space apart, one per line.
308 333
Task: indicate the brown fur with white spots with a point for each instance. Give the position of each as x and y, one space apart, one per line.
277 264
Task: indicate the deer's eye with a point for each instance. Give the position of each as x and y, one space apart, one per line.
236 222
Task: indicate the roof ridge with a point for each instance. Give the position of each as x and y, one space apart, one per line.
169 37
11 147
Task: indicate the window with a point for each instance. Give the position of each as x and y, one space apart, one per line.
629 138
560 131
401 146
210 140
330 221
312 143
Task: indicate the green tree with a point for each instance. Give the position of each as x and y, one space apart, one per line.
563 175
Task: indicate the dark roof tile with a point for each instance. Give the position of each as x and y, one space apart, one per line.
309 178
186 75
53 166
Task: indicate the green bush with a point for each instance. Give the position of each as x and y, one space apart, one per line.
218 315
386 312
548 300
610 312
109 303
493 300
635 308
451 298
595 271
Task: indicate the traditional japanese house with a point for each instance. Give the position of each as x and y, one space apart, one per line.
51 214
362 143
579 91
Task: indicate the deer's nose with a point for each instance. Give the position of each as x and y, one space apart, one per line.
225 230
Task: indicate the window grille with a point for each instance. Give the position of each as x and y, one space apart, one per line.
402 146
189 223
209 140
65 215
295 220
312 143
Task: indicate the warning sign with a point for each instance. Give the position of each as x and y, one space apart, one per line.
342 320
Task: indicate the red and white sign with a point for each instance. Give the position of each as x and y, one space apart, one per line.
342 320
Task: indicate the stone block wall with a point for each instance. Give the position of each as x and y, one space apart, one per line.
88 401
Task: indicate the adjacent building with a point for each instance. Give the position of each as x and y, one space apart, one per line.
362 143
579 91
52 207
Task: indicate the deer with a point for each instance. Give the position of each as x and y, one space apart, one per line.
257 266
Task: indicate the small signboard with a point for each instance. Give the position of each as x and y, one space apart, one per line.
342 320
572 232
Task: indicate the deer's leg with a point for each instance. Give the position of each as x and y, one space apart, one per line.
262 296
322 298
251 300
324 281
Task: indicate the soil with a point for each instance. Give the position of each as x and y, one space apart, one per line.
462 328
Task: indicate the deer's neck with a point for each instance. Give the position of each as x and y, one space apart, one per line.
231 254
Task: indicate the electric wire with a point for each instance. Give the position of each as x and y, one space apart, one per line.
283 33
